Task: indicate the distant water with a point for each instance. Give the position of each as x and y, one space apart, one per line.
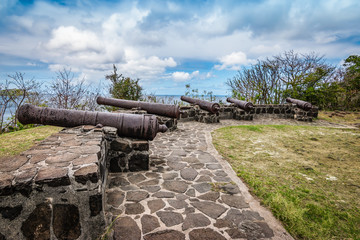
10 110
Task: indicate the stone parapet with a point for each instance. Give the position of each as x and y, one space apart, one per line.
194 113
125 154
285 111
56 189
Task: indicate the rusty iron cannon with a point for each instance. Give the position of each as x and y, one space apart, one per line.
247 106
166 110
128 125
205 105
299 103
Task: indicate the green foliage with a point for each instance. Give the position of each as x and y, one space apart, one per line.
194 93
124 87
302 76
351 81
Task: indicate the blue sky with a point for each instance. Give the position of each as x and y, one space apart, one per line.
168 44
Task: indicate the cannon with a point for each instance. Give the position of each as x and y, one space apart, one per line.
247 106
128 125
166 110
300 104
205 105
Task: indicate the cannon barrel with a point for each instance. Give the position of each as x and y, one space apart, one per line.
300 104
128 125
247 106
166 110
205 105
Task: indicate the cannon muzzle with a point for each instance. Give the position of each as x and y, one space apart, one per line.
300 104
128 125
247 106
205 105
166 110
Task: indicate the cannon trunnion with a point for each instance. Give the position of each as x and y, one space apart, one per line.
128 125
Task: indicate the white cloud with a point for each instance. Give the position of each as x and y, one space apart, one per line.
70 39
233 61
146 67
144 39
184 76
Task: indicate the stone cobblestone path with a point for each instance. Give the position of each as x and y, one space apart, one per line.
190 192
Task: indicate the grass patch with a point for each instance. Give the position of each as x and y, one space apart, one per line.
13 143
308 176
341 117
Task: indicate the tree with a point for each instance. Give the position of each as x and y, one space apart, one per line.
124 87
351 82
65 92
302 76
259 84
13 94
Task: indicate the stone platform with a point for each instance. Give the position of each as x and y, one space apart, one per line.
51 190
189 192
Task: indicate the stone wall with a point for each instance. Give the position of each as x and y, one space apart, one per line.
126 154
56 189
194 113
287 111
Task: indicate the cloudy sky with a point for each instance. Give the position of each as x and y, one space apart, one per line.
168 44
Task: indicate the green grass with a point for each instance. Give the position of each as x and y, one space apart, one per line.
292 169
13 143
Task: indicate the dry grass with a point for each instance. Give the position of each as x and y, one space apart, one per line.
14 143
308 176
341 117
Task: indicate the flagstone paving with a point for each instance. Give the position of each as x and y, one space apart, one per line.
190 192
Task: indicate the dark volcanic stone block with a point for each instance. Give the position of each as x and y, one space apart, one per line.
121 145
5 184
139 162
126 229
194 220
115 198
235 201
134 208
170 218
11 212
140 145
95 204
136 196
155 205
149 223
175 186
66 221
205 233
53 176
167 234
211 209
84 174
38 223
